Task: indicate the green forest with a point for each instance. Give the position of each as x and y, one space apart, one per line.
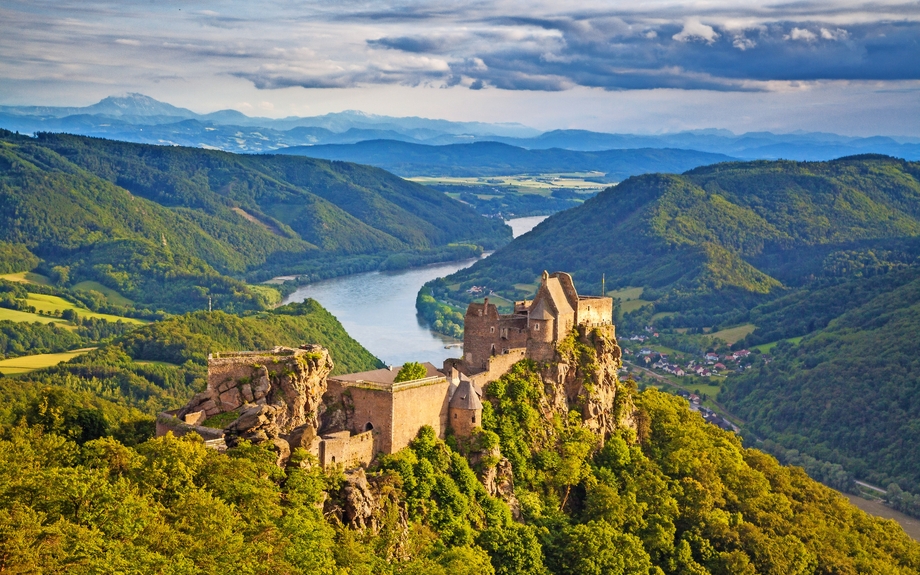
169 227
85 489
825 251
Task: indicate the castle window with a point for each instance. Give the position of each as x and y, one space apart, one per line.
492 329
455 416
536 327
474 418
368 426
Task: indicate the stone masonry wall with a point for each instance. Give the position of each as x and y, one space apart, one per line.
416 406
595 311
347 451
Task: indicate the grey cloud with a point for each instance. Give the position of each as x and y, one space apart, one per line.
503 44
409 44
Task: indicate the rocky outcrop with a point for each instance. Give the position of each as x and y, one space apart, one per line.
499 482
370 502
277 394
584 377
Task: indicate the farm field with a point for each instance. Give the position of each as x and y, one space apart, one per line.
25 364
28 278
733 334
111 295
541 184
52 303
26 317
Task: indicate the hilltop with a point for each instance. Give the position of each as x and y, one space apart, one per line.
707 230
168 226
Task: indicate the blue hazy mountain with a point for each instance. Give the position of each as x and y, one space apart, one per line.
495 159
139 118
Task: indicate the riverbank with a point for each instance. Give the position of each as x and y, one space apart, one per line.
910 525
377 308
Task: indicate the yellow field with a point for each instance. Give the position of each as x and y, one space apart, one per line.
733 334
111 295
52 303
541 184
26 317
19 365
27 278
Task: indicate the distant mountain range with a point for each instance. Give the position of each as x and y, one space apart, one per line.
495 159
139 118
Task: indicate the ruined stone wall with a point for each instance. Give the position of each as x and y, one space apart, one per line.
347 450
594 311
352 407
497 366
418 405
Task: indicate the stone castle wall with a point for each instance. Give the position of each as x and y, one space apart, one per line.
347 450
595 311
418 405
496 366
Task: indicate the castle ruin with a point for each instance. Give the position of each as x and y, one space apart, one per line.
287 396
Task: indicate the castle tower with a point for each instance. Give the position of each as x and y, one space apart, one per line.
465 409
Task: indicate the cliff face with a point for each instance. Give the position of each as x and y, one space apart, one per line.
583 377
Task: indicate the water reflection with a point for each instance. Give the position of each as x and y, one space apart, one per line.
378 308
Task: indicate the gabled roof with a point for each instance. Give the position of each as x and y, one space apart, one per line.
465 397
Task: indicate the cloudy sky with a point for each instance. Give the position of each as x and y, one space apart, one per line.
652 66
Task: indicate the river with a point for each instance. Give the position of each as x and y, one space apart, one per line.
378 308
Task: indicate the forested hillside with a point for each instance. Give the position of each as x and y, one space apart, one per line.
83 490
828 252
160 365
168 226
848 392
702 232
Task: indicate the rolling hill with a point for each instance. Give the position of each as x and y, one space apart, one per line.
167 226
826 253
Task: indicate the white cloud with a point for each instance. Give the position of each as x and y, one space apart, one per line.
802 34
696 30
742 43
838 34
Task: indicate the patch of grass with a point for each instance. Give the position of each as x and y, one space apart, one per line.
160 363
111 295
20 365
28 278
733 334
768 347
627 293
52 303
221 420
664 314
633 304
26 317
